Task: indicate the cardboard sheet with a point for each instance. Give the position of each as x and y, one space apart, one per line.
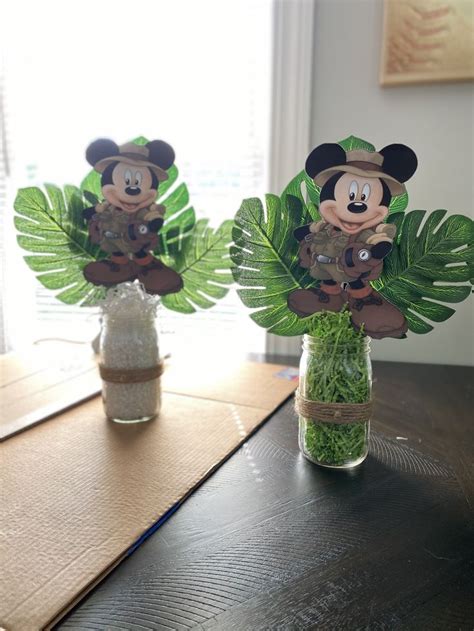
43 381
79 492
249 383
52 378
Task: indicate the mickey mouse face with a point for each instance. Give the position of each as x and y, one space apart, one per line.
129 187
357 204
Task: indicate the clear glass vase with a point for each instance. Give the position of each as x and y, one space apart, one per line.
130 366
335 373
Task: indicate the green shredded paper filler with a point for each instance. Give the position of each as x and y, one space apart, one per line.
337 372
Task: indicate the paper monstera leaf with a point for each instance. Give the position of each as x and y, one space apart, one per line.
204 264
51 228
265 254
426 268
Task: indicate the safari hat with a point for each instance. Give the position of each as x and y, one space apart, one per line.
365 164
136 155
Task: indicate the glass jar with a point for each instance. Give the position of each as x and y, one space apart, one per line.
130 364
335 373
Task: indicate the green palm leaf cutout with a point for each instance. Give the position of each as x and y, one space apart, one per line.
426 266
352 142
52 229
419 275
204 263
397 204
180 218
265 256
305 190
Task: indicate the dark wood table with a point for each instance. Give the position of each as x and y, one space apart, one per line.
271 541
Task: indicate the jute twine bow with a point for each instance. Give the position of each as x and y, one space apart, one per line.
332 412
131 375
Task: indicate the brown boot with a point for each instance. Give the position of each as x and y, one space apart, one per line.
305 302
379 317
117 269
156 277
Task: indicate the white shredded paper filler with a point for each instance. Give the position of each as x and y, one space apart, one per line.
129 340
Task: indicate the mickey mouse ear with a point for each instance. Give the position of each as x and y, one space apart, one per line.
328 155
399 161
161 154
100 149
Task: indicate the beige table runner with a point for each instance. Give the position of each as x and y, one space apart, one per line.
43 380
78 492
39 383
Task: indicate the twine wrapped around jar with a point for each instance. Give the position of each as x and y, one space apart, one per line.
133 375
341 413
334 399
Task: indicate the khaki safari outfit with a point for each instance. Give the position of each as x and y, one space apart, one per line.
344 263
129 237
117 231
327 244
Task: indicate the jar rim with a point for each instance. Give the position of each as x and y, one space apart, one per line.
312 340
128 317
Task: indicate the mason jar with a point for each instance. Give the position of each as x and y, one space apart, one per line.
130 365
335 385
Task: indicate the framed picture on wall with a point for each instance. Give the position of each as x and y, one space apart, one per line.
427 41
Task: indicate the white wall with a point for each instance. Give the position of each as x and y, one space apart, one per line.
435 120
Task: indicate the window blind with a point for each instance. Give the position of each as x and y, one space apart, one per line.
200 80
3 176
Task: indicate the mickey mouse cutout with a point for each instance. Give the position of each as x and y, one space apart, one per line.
126 224
347 248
